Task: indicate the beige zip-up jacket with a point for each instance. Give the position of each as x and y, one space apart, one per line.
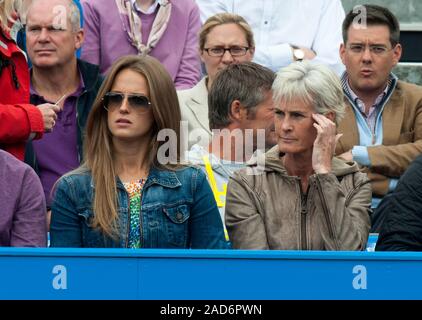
264 209
401 141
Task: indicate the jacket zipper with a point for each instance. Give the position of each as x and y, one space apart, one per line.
327 214
14 75
303 212
353 192
303 231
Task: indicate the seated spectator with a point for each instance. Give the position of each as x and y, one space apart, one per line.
383 123
401 229
240 106
23 213
288 30
128 193
58 77
224 39
19 120
304 199
21 36
164 29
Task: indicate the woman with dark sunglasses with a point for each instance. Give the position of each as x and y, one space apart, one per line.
132 191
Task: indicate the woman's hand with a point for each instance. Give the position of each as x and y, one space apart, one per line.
324 144
49 113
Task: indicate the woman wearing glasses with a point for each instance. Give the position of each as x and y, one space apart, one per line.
131 191
224 39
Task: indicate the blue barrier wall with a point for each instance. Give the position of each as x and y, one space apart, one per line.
205 274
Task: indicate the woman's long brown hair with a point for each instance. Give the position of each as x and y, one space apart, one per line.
98 145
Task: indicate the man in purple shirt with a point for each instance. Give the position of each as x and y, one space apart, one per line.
165 29
22 213
53 35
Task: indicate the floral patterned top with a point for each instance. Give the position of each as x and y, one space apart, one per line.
134 190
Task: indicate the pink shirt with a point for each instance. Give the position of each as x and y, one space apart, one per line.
106 39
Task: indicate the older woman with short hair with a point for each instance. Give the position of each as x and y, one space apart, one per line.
305 199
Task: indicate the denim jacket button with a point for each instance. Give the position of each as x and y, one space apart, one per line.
179 216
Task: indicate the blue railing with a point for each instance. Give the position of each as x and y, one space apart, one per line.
207 274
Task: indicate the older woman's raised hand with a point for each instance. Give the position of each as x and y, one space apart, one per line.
325 143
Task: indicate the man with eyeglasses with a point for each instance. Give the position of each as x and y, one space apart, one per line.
53 35
382 129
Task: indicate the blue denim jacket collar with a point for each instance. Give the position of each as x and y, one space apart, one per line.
172 203
167 179
164 178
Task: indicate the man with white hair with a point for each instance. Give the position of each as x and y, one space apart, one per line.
53 35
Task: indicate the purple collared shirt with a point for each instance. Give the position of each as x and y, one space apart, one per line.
22 214
147 22
57 151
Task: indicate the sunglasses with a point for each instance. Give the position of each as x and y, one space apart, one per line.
113 100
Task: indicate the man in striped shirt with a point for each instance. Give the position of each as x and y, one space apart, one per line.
382 130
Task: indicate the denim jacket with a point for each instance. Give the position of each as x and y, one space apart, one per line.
178 210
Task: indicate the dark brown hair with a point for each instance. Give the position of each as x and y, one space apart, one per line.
247 82
374 15
98 145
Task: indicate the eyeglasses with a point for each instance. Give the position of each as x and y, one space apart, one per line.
220 51
113 100
375 49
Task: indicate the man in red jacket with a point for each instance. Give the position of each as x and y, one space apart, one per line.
19 120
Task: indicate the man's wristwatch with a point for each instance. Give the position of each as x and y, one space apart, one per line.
298 54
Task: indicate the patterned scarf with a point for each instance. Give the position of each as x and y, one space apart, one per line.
135 24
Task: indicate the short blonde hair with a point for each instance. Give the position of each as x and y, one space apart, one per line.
7 8
314 84
225 18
